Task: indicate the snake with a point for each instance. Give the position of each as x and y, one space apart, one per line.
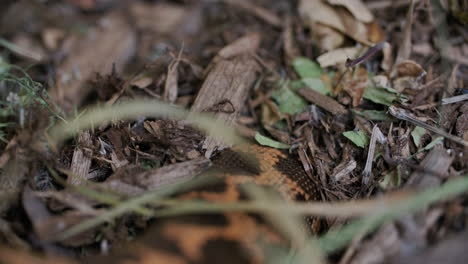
232 236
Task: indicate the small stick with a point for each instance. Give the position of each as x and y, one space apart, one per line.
455 99
376 136
369 53
403 115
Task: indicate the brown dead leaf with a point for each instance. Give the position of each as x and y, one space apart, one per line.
270 113
409 68
326 37
247 44
402 83
356 86
357 8
337 56
375 33
315 12
353 27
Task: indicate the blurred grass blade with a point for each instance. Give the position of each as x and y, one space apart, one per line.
147 108
337 239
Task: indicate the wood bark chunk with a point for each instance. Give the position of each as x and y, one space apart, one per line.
224 91
138 182
437 161
104 47
81 162
323 101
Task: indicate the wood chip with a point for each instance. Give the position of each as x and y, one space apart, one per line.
227 84
81 161
325 102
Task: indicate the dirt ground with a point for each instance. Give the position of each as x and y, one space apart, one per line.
370 96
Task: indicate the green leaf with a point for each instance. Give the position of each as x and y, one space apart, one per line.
317 85
379 95
359 138
306 68
266 141
373 115
288 101
417 134
428 146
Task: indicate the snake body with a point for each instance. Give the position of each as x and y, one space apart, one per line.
231 237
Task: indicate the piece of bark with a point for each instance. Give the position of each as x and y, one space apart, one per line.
437 161
156 178
323 101
103 47
171 88
224 92
81 161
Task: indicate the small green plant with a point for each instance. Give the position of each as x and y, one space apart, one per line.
18 94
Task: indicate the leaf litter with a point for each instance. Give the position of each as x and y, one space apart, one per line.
317 84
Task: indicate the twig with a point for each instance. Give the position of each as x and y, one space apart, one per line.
376 136
369 53
455 99
403 115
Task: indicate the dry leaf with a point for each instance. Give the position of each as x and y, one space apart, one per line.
356 86
316 11
357 8
326 37
375 33
409 68
245 45
337 56
354 28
